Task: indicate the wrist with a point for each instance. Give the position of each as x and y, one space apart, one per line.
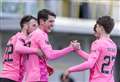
71 48
69 71
77 50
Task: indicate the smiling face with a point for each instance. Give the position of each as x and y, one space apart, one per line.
98 30
32 25
46 20
48 24
96 34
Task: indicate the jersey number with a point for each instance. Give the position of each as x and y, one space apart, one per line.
8 53
108 59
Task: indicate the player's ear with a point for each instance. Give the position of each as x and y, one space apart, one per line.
102 29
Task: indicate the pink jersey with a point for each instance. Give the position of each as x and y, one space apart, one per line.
11 62
100 61
36 67
13 58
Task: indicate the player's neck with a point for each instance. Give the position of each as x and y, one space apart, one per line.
41 28
104 35
24 32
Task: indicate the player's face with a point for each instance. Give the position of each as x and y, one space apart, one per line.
96 35
98 31
95 32
48 24
32 25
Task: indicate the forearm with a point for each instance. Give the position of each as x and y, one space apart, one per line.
82 54
53 54
25 50
85 65
81 67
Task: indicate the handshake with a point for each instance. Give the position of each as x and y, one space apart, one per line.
75 44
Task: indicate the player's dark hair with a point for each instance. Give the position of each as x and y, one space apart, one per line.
107 22
43 14
25 19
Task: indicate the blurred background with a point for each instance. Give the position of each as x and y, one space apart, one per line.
75 20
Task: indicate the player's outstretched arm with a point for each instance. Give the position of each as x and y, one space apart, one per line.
85 65
93 57
49 52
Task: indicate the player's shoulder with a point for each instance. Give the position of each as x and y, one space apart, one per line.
14 36
97 44
112 42
97 41
37 33
100 41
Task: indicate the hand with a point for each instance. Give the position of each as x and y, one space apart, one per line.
50 70
66 74
75 44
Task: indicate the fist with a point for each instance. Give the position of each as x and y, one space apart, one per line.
75 44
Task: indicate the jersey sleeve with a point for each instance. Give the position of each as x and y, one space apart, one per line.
93 57
21 48
82 54
49 52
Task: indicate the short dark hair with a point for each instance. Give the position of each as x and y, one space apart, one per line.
26 19
43 14
107 22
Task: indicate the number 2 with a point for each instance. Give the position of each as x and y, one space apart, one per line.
8 52
108 59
